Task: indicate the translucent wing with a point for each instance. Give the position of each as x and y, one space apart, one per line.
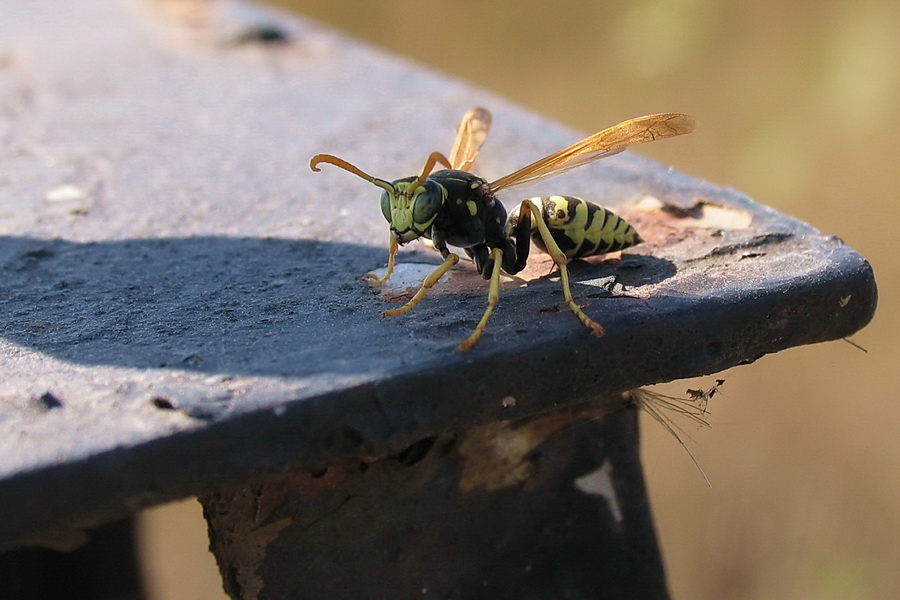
470 136
605 143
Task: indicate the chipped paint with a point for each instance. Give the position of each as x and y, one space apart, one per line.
600 483
702 214
496 455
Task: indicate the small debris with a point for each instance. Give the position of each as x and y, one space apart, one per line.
659 406
192 360
855 345
262 33
39 253
163 403
66 193
47 402
702 397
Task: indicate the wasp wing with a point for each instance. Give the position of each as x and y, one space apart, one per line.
602 144
470 136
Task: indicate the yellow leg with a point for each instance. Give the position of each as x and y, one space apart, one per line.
392 252
493 297
595 327
426 285
560 258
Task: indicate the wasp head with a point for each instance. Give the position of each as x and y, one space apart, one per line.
410 205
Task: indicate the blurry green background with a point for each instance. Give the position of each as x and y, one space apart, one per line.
797 105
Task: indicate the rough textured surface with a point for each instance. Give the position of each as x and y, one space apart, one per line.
553 507
181 300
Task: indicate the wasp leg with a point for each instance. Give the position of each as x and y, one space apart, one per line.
560 258
517 232
429 282
493 297
392 252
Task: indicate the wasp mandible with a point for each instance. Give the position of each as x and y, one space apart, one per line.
453 207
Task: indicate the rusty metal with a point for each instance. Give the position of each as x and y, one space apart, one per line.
548 507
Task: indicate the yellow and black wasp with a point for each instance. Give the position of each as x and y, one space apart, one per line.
453 207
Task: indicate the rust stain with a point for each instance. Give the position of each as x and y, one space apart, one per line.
310 485
661 223
246 522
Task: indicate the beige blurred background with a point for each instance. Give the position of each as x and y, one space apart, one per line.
799 107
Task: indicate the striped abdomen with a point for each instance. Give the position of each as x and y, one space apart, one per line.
581 228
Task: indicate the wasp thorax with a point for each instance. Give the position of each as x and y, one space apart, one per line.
411 207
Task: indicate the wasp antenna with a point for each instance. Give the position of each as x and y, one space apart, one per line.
433 159
318 159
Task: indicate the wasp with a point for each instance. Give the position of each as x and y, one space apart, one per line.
454 207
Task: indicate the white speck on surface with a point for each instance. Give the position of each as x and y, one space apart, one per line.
66 193
600 483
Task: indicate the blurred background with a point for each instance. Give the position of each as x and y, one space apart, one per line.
797 105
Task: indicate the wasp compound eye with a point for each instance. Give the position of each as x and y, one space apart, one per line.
386 206
427 203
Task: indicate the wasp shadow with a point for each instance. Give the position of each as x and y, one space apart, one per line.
597 278
261 306
632 270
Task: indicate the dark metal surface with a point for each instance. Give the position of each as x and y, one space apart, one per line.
105 568
550 507
182 309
